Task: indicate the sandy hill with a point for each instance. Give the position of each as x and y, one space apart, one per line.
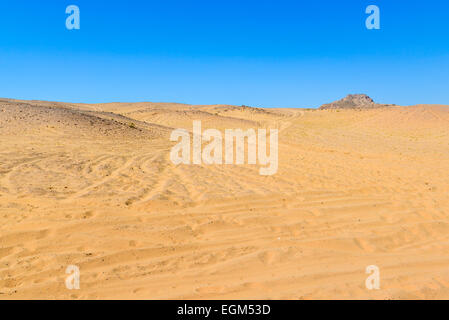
178 115
359 187
36 117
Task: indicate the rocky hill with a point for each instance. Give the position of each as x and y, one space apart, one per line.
354 101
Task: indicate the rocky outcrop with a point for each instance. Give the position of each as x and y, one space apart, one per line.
354 101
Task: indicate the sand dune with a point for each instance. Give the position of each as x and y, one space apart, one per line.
93 186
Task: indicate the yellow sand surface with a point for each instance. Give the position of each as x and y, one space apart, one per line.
93 186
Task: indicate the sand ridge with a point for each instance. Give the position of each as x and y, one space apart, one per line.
93 186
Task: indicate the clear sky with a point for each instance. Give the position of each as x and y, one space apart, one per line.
273 53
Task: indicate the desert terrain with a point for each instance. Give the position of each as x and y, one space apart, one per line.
92 185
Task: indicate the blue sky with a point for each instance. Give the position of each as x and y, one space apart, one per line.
260 53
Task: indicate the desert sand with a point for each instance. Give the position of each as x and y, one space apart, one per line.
93 186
